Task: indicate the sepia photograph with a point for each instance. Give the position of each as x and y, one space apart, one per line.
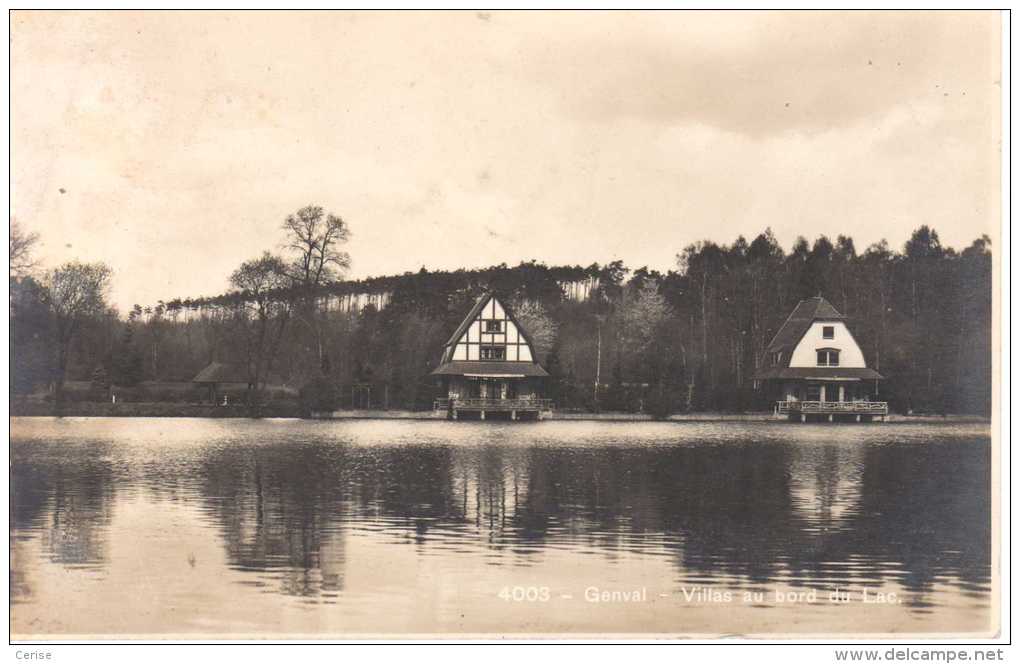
507 326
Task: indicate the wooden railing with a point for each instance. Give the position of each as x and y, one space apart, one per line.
834 407
493 404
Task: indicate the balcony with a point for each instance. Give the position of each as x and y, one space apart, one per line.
496 405
832 408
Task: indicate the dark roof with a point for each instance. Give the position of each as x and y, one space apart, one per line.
804 314
488 368
466 323
819 373
221 372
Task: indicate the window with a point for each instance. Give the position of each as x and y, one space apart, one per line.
828 357
494 326
777 358
493 353
828 332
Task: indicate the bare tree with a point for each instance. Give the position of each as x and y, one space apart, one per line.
75 292
314 237
264 311
21 244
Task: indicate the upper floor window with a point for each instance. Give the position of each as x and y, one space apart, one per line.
828 357
493 353
494 326
777 358
828 332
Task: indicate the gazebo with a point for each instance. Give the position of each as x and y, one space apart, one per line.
219 374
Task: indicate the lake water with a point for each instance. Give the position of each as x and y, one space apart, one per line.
199 528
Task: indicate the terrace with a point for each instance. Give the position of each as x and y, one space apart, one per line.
494 404
832 408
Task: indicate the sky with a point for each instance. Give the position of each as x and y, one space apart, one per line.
172 145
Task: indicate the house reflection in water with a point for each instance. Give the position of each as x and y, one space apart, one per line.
294 509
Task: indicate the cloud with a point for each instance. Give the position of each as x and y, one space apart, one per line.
183 140
760 73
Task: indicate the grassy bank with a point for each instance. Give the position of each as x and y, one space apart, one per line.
152 409
37 408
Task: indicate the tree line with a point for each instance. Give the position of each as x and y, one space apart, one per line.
612 337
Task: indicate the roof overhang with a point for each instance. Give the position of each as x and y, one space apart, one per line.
490 369
819 373
493 375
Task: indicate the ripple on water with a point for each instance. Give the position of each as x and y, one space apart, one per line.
385 513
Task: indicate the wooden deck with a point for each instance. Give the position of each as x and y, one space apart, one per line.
859 410
514 407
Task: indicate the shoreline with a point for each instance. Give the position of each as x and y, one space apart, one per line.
171 410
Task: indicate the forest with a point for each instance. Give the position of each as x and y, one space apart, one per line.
612 337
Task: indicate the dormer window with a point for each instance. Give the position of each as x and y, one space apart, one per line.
494 326
828 357
828 332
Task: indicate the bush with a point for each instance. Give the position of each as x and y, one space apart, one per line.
159 392
319 395
662 401
100 388
657 406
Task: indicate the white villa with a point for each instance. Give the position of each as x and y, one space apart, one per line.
814 368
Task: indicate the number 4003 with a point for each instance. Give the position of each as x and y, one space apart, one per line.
524 593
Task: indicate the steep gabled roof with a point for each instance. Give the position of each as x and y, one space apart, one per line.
466 323
450 366
475 310
804 314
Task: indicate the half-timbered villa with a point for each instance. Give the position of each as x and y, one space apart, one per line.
489 367
814 369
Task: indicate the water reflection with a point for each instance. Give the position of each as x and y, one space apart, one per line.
67 498
277 507
758 507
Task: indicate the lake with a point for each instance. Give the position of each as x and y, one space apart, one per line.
201 528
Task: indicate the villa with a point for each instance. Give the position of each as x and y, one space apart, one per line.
814 368
489 367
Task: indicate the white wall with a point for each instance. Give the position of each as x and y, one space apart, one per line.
850 354
509 338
